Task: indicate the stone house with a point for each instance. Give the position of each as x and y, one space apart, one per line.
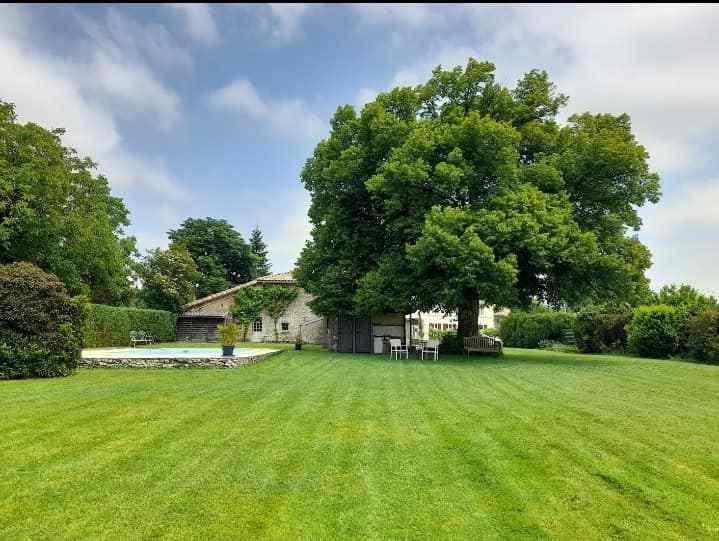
199 319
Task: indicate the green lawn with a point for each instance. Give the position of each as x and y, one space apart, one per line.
316 445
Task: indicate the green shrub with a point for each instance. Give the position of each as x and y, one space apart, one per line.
654 331
489 331
40 325
437 334
527 329
597 331
451 343
228 333
702 336
111 325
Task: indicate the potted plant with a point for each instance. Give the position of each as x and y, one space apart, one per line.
228 336
298 343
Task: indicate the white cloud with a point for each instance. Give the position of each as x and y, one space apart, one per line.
74 94
288 117
411 15
199 22
285 20
364 96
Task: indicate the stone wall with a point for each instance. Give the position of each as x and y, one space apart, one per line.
298 315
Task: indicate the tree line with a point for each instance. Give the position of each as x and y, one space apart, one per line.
58 214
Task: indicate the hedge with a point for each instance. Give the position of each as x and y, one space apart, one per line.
527 329
40 324
111 325
597 331
655 331
702 336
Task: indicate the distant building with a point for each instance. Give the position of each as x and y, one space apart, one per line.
420 324
199 319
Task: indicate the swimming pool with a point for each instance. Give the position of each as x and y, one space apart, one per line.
167 353
171 357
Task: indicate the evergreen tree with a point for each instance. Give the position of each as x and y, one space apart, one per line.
259 248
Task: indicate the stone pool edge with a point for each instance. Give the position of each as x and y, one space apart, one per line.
175 362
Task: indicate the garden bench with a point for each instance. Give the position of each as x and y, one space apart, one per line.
140 337
482 344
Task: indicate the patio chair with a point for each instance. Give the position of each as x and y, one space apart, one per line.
396 348
431 348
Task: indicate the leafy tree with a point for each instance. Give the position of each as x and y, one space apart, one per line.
276 301
169 278
222 256
248 306
461 189
686 297
56 213
259 248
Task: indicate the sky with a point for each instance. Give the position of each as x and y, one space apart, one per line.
196 110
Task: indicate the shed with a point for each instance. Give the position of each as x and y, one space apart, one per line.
350 334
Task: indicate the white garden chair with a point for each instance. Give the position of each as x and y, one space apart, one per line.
431 348
397 349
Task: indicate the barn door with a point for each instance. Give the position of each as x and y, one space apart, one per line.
363 335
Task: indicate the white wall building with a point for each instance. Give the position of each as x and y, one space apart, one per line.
420 324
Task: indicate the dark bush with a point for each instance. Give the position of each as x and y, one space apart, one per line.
111 325
702 336
527 329
451 344
597 331
655 331
40 324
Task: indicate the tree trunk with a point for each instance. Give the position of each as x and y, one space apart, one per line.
468 316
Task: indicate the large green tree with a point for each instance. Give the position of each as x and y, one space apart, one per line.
461 189
169 278
57 213
259 248
222 256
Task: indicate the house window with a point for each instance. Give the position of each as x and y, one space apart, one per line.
257 325
285 326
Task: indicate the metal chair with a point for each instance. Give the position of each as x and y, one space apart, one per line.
396 348
431 348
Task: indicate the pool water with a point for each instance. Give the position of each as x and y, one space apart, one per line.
166 353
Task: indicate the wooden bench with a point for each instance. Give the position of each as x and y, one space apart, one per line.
140 337
482 344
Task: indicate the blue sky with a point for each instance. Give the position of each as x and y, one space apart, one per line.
198 110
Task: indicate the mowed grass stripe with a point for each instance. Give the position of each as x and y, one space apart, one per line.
316 445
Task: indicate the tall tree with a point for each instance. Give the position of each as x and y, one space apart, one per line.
222 256
169 278
57 213
461 189
259 248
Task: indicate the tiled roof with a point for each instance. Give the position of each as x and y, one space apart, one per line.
274 278
277 278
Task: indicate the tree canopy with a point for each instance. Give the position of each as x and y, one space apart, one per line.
58 214
461 189
221 254
258 246
169 278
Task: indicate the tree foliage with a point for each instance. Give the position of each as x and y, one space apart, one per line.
686 297
169 278
461 189
58 214
248 306
258 246
277 300
221 254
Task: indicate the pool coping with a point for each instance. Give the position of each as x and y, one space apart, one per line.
219 361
